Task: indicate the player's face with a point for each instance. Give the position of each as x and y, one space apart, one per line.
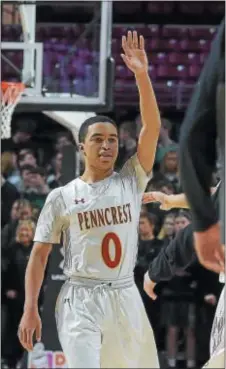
101 146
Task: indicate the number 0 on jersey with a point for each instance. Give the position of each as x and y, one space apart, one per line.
105 249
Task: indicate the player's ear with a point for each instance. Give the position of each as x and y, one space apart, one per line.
81 148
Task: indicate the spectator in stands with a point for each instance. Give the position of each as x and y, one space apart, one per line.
148 248
33 180
13 289
21 138
38 181
54 177
9 194
169 166
159 183
9 168
168 230
179 308
182 219
25 172
165 140
127 142
37 189
63 139
21 210
162 184
27 157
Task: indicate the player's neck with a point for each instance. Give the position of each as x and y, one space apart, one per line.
92 175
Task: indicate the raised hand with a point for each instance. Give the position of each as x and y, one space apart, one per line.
134 55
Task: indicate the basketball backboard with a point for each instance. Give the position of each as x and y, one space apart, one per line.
66 64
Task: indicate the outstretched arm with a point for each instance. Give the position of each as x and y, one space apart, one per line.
168 201
136 60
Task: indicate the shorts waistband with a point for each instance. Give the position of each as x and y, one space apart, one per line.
92 283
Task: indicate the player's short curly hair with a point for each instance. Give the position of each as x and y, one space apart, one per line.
88 122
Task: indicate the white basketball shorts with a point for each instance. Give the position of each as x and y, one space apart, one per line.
104 325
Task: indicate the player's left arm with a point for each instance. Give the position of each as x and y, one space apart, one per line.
136 60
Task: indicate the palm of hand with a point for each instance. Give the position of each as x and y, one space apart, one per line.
135 56
137 59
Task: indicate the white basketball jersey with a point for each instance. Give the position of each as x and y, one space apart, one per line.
99 223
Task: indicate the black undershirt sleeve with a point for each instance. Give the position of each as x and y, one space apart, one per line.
178 254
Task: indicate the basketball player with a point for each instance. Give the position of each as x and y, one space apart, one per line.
202 131
101 320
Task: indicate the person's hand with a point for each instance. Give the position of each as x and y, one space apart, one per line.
210 251
155 196
30 323
149 286
11 294
210 299
134 55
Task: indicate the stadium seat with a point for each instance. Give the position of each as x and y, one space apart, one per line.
206 33
179 72
158 58
175 32
194 71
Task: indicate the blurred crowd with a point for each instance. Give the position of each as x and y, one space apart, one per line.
182 314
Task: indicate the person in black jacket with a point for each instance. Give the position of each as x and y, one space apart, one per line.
203 125
148 248
13 292
180 254
9 194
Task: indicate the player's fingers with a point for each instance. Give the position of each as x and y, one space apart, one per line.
147 198
141 43
135 40
39 332
23 338
30 333
124 44
151 293
149 289
130 40
20 335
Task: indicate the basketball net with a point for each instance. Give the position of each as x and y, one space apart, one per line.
11 94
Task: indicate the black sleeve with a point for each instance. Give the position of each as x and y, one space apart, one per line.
179 253
198 140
